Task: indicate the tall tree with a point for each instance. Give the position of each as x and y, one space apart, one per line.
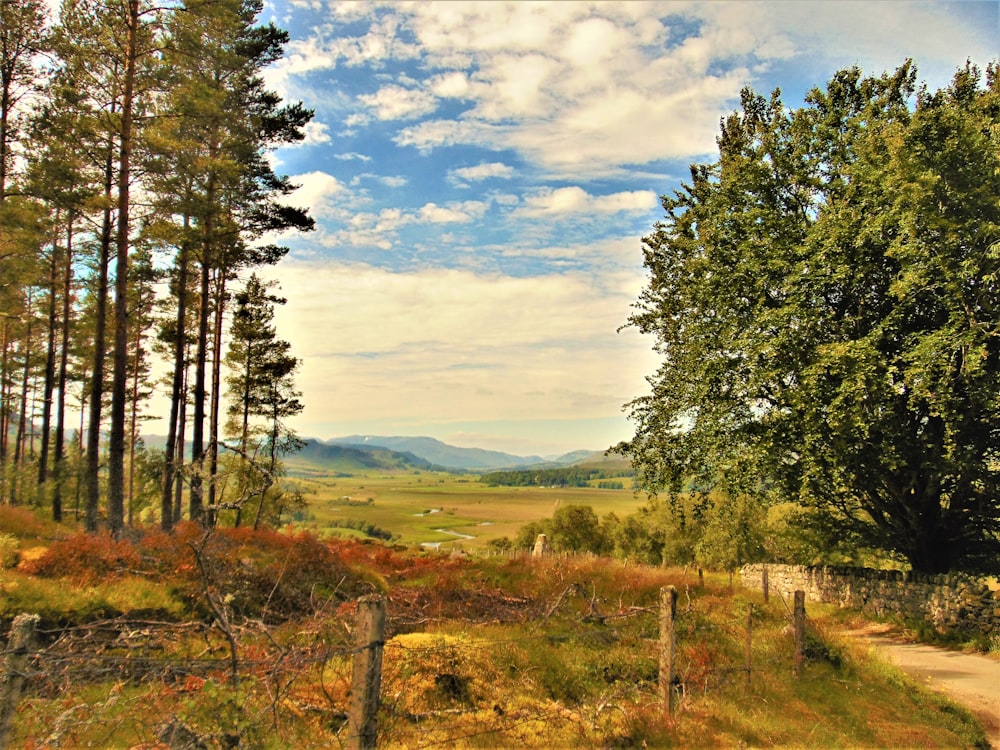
224 121
824 300
137 46
22 38
65 180
261 384
105 50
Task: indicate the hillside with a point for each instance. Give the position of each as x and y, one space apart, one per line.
235 638
441 454
322 458
375 452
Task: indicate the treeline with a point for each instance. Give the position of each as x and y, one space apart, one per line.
714 530
365 527
570 476
136 200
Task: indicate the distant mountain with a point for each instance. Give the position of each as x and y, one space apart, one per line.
349 459
442 454
356 453
576 457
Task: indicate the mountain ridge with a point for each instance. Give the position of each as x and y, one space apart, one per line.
359 452
442 454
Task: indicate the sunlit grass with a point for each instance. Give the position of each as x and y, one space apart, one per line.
481 653
55 601
415 506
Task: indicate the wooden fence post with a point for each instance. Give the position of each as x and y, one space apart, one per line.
749 651
799 625
366 678
765 584
668 646
21 641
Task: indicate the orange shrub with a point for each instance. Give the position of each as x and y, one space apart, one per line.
86 558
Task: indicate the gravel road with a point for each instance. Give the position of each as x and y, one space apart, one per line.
972 680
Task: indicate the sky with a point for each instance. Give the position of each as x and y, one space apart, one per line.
481 175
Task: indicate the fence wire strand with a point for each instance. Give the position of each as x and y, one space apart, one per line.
312 678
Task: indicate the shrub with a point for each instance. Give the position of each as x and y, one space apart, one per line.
9 555
86 558
273 575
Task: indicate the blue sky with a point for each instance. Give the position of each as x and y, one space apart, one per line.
481 175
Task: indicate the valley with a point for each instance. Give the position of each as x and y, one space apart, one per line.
398 487
421 507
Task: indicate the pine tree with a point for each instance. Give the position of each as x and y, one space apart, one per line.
222 121
261 384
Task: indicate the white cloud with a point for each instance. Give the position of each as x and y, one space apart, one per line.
430 134
398 103
351 156
453 346
575 200
382 42
319 192
485 171
452 85
315 134
452 213
587 89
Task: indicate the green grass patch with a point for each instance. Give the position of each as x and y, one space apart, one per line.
56 601
415 507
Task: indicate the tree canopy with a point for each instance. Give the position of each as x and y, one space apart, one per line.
825 300
134 142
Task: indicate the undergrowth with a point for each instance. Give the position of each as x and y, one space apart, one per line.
238 638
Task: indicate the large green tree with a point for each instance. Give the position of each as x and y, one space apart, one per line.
215 180
825 300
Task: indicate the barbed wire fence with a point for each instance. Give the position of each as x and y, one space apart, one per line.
335 683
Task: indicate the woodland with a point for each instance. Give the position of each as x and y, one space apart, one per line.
135 195
823 296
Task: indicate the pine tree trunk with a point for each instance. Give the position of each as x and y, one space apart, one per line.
213 451
6 386
134 419
50 368
196 503
119 386
178 488
97 375
22 419
175 456
59 461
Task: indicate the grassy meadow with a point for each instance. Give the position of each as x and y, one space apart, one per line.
416 506
235 638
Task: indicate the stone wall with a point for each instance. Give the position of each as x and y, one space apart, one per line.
952 604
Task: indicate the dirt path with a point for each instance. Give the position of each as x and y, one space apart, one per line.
972 680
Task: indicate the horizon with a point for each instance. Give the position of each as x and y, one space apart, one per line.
482 174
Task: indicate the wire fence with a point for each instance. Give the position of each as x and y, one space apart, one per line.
338 681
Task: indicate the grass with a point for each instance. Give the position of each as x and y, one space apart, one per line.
415 506
480 652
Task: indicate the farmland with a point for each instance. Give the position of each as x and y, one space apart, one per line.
416 506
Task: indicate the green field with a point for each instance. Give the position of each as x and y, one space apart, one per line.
416 506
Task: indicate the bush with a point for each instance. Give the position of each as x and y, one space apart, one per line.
273 575
261 573
86 558
9 554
